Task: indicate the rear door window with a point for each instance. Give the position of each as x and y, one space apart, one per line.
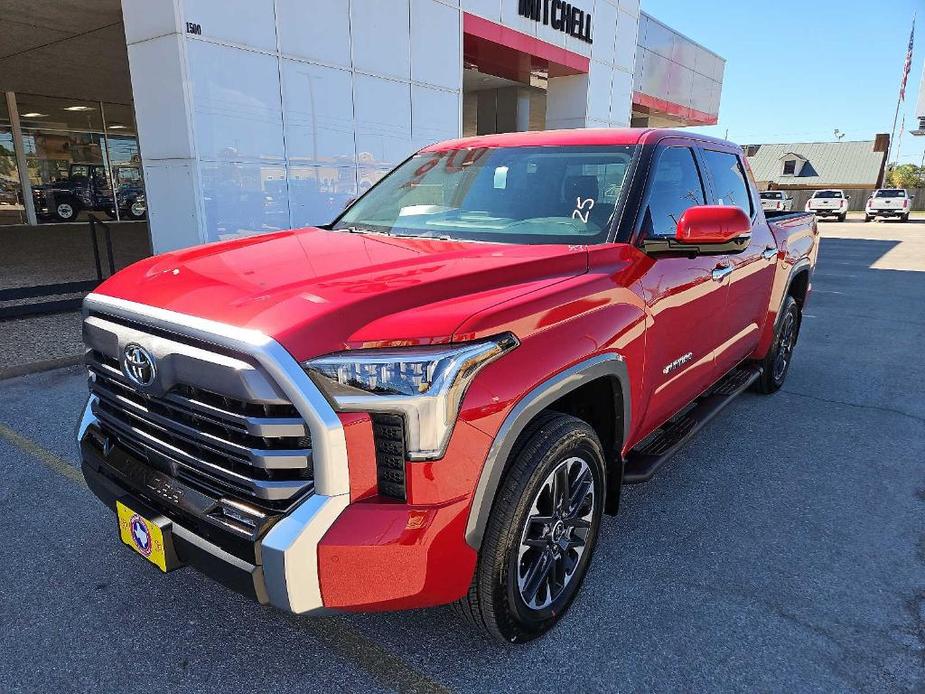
729 184
676 186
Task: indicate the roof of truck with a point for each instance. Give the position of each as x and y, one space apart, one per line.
569 138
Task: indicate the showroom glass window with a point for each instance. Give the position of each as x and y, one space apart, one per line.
82 158
11 207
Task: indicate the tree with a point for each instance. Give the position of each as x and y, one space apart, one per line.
7 161
906 176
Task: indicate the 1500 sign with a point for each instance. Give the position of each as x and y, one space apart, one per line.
560 15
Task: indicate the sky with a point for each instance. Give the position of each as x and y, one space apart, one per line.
798 69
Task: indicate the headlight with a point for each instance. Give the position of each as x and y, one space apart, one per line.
425 385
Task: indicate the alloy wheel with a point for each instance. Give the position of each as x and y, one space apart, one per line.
785 346
555 534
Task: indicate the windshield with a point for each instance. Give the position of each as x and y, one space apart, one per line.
890 194
772 196
533 195
827 194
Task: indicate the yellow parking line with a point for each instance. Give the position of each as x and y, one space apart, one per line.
380 664
384 666
49 459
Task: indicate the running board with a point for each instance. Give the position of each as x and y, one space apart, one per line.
652 452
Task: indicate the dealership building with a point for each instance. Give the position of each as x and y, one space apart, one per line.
216 118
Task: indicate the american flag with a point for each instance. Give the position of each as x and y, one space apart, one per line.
908 64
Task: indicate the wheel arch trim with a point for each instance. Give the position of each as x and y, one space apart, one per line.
803 265
535 401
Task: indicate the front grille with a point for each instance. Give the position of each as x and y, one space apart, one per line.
260 452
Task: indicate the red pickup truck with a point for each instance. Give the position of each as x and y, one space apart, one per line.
435 398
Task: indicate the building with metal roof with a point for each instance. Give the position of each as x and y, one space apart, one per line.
815 165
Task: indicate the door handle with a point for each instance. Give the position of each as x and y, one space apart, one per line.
720 271
769 252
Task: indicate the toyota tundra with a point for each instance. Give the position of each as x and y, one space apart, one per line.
435 398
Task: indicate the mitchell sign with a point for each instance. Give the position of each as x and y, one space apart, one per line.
562 16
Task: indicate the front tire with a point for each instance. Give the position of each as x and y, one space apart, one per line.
776 364
541 532
65 211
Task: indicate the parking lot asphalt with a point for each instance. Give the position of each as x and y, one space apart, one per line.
782 549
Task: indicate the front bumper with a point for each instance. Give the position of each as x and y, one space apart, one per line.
325 555
276 564
207 557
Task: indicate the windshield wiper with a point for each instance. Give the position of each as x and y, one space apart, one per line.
438 237
361 230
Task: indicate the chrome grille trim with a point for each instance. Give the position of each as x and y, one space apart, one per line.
272 459
254 426
190 468
290 549
276 380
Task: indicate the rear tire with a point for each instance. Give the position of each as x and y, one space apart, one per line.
842 217
136 210
904 218
776 364
868 218
541 532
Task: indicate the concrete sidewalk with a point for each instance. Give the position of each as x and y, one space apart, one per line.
52 254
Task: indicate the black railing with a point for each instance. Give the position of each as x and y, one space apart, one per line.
22 310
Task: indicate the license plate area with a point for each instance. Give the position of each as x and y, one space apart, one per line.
147 533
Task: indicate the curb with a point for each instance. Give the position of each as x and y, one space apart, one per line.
39 366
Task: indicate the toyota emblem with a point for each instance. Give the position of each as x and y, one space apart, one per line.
138 365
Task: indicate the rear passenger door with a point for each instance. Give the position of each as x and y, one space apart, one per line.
753 269
685 303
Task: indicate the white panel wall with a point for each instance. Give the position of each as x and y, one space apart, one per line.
303 37
670 66
381 37
236 103
281 110
435 44
318 114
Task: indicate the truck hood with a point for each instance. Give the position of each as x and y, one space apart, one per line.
318 291
59 185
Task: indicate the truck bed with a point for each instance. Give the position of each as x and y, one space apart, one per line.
781 215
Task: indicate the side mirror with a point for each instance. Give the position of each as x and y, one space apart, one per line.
847 197
708 224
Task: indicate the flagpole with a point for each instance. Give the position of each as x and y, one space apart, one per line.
899 140
900 97
889 150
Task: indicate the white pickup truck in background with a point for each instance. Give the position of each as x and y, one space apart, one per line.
829 203
888 202
776 200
